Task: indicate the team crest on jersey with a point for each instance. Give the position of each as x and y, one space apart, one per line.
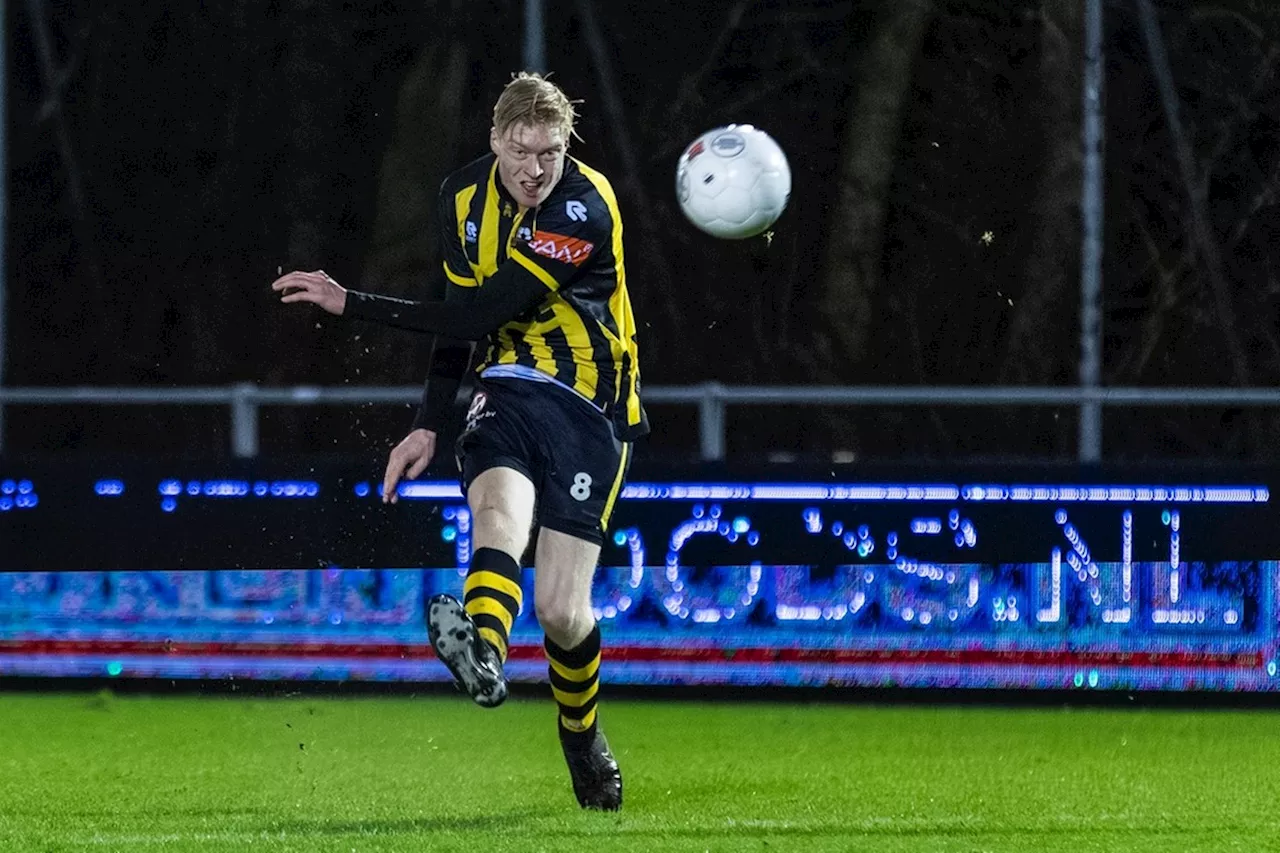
525 233
558 247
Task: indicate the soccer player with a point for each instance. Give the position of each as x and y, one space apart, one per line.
534 266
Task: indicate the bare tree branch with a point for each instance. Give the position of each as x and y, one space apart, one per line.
689 85
1201 229
1055 247
1200 14
53 80
1163 301
852 265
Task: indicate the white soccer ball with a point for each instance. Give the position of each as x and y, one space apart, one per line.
733 182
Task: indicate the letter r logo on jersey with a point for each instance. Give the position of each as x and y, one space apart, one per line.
576 210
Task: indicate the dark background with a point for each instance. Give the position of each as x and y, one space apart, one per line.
167 159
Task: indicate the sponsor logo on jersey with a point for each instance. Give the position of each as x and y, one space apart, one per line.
472 231
558 247
576 210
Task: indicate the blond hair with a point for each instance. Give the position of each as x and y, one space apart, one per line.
532 99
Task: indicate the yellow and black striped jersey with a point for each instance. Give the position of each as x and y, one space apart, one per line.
583 334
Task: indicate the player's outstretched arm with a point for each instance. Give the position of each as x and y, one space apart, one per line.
506 295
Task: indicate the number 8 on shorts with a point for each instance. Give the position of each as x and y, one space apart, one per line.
581 488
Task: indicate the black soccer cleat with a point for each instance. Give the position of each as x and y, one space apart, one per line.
597 781
474 663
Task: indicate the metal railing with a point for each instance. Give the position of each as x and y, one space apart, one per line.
711 399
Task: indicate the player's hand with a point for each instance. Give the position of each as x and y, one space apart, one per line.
409 459
314 287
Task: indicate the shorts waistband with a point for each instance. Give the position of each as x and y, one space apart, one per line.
531 374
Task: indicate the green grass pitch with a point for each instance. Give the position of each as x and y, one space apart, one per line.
84 772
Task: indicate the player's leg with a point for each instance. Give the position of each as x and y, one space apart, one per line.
471 636
562 601
565 565
497 465
577 497
502 504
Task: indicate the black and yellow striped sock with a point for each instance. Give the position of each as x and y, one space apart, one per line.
492 596
575 678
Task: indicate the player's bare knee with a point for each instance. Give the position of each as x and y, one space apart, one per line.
564 622
494 526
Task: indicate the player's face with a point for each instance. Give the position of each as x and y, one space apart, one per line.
530 160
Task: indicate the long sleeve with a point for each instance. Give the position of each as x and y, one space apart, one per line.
506 295
449 361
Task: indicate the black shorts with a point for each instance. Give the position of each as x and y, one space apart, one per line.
562 443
